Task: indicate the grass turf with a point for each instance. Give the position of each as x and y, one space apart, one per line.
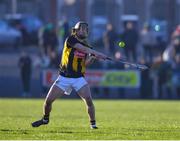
117 119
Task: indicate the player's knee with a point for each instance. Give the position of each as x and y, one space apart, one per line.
47 102
89 101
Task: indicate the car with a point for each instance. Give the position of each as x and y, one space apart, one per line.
29 25
9 36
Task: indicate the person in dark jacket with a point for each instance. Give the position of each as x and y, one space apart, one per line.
130 37
25 72
176 75
109 39
50 39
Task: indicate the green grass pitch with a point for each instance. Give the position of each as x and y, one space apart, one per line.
116 119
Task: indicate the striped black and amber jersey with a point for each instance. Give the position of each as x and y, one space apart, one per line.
73 61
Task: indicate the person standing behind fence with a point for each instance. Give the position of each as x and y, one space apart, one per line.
147 41
25 65
130 37
65 28
49 39
176 40
109 39
176 75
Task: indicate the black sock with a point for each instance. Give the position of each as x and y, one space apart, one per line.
93 122
46 117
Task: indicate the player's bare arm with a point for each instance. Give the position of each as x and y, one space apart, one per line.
87 50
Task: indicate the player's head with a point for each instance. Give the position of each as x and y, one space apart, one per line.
80 30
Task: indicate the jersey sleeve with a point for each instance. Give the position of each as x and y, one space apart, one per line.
71 41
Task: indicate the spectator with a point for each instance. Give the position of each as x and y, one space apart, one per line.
174 48
176 39
176 75
50 39
162 71
109 39
65 28
160 45
130 37
24 33
146 81
147 40
54 60
24 64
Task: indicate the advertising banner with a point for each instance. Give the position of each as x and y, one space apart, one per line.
97 78
111 78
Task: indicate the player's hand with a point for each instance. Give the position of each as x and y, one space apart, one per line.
92 57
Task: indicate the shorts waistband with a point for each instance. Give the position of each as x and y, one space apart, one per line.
71 75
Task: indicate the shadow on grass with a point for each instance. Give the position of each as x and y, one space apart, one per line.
74 131
152 130
22 131
25 131
88 131
16 116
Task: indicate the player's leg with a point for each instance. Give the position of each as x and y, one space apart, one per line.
85 94
53 93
